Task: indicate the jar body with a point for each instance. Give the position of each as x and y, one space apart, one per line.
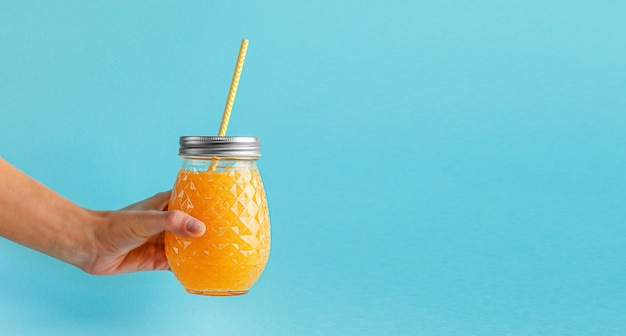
228 196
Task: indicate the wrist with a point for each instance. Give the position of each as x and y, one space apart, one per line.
84 251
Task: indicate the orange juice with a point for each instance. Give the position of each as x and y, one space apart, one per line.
228 196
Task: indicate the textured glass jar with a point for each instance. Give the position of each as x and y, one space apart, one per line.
219 183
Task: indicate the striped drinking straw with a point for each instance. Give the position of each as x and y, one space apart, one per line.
230 100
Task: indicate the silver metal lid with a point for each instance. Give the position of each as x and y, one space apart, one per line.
226 146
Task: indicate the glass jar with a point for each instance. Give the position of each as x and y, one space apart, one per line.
220 184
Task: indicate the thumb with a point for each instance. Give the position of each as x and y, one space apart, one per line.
177 222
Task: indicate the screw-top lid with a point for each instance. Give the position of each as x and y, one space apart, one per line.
220 146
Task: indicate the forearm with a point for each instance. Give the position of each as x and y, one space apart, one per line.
35 216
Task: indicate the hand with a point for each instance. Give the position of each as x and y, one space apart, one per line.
132 239
98 242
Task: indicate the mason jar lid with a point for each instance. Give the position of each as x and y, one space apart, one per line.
220 146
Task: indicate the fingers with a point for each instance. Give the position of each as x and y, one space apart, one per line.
150 223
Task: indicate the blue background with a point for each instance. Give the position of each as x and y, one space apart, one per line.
432 167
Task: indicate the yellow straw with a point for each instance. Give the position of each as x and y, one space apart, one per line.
231 96
233 88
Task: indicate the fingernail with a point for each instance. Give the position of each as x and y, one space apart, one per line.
194 226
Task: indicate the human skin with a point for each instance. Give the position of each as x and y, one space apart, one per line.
97 242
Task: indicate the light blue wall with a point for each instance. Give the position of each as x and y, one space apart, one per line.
432 167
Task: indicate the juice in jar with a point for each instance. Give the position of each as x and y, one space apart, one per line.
228 196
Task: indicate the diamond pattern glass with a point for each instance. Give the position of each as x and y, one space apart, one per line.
232 254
